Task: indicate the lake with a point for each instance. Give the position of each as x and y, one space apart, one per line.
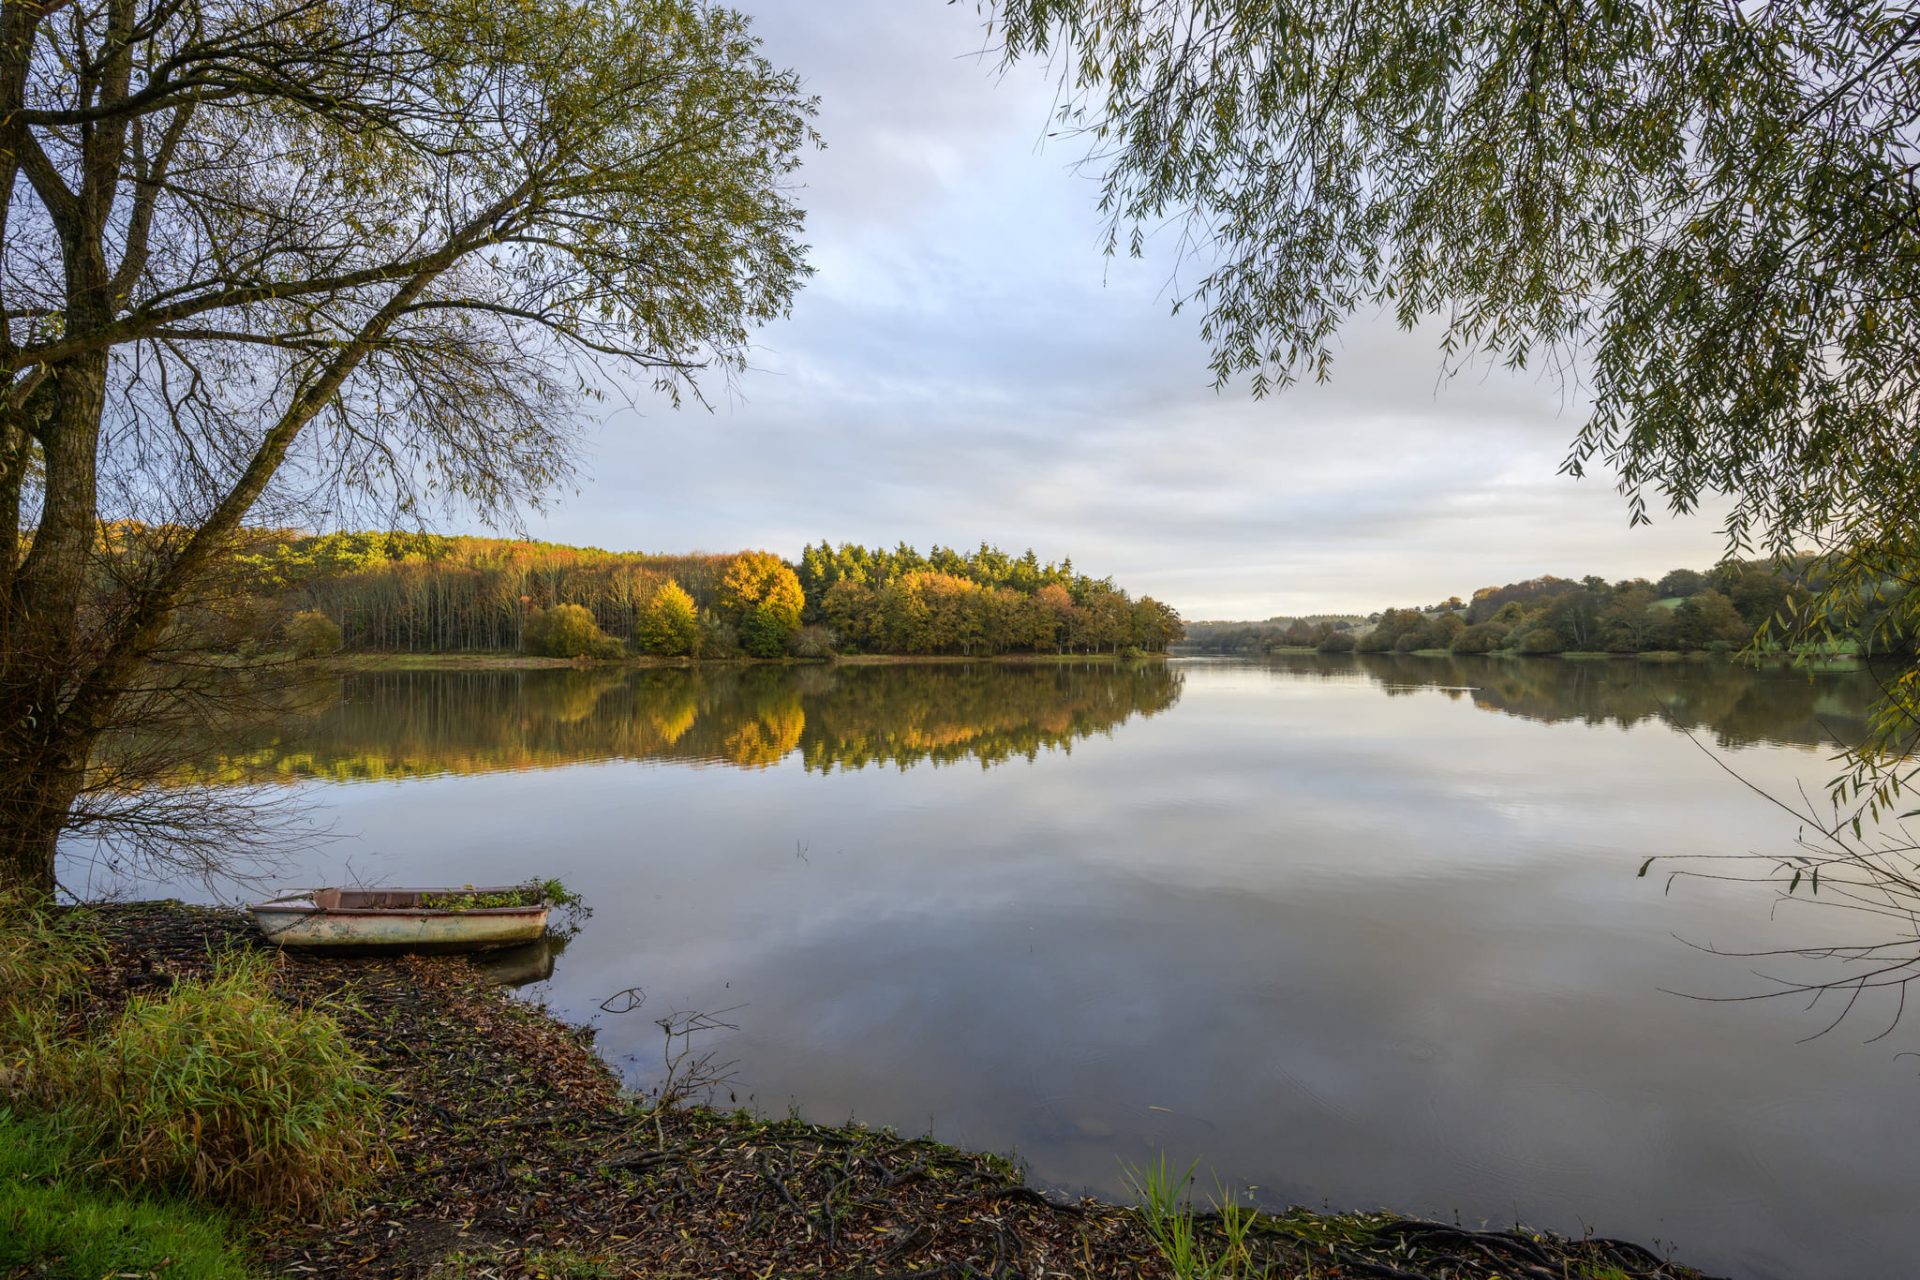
1352 932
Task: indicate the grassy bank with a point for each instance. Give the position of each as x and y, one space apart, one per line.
56 1222
509 1150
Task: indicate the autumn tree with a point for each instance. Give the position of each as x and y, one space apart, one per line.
760 596
567 631
670 626
312 634
263 257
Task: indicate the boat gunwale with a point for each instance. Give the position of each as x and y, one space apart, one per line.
308 909
296 903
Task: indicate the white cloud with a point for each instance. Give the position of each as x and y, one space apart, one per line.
966 366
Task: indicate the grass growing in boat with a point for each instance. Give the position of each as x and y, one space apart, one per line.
52 1224
531 894
220 1089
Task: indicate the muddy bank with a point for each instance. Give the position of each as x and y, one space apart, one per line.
515 1153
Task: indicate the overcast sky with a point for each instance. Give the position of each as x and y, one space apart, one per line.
966 365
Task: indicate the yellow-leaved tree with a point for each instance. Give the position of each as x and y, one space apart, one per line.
760 595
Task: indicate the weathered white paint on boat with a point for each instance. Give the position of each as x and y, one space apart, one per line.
395 920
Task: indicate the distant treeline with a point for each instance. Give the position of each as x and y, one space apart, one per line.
1714 610
899 601
423 593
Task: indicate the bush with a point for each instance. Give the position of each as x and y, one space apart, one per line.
1337 642
718 639
1484 637
1542 640
813 642
567 631
222 1090
312 634
55 1226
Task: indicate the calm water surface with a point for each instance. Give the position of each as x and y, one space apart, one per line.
1360 933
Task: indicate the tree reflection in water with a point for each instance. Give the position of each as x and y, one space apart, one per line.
1738 705
418 723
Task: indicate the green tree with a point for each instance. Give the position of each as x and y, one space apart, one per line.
1541 640
1633 619
1482 637
765 630
670 626
1681 582
1708 619
445 205
1708 207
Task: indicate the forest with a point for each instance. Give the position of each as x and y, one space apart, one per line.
1718 610
384 591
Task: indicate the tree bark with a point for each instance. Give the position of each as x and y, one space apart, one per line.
37 788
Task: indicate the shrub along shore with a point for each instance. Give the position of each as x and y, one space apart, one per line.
402 1118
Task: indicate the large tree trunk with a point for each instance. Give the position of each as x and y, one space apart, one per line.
43 752
35 796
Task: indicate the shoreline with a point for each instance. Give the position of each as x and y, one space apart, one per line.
516 1153
1809 661
359 662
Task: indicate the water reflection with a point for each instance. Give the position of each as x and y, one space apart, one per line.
393 725
1738 705
522 965
1327 926
421 723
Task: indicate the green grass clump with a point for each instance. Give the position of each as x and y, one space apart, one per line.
1166 1210
221 1090
65 1229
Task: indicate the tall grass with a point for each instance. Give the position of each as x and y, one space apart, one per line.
216 1088
1191 1251
53 1224
44 958
220 1089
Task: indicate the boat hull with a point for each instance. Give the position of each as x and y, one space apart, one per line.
306 923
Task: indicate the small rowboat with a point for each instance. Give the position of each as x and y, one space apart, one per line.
402 919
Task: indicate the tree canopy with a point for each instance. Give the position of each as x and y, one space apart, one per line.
1705 216
268 255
